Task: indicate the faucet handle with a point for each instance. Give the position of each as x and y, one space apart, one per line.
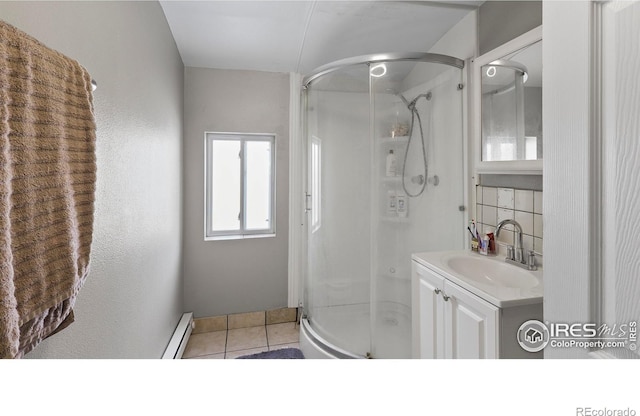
510 253
531 261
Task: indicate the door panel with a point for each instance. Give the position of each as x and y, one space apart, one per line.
428 330
338 212
621 162
471 325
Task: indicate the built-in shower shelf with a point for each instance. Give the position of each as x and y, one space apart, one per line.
401 220
395 140
391 179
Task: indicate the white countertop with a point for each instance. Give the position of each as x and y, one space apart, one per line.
501 296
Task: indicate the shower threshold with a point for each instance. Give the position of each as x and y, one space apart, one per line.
314 346
393 327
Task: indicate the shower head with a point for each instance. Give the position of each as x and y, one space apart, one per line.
426 95
412 105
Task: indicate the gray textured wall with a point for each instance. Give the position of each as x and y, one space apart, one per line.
501 21
234 276
132 299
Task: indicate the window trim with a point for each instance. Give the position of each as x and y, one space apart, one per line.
243 138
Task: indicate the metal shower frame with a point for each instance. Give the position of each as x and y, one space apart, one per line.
380 58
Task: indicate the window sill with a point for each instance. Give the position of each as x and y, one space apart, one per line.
237 237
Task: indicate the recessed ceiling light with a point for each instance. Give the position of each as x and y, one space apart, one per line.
378 70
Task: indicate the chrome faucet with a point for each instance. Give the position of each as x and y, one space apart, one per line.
519 252
517 258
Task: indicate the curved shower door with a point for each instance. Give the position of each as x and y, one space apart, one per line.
339 222
379 189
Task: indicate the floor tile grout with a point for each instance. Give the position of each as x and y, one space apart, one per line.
269 344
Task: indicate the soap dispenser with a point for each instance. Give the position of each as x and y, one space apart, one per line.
391 163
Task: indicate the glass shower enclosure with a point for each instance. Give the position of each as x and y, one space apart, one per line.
385 179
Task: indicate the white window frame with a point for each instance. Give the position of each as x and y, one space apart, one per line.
243 138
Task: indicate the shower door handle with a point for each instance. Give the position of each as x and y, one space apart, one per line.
307 202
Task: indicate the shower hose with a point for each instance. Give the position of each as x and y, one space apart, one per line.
415 115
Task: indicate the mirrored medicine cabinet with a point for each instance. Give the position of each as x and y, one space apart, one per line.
507 98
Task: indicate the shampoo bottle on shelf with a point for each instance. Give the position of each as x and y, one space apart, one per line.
391 163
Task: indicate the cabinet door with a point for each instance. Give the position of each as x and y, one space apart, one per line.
427 313
471 325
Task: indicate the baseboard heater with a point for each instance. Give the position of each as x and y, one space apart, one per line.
180 337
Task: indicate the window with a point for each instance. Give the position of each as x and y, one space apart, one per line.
504 148
239 185
531 148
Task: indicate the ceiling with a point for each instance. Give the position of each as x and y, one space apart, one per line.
299 36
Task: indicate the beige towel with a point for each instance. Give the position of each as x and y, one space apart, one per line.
47 185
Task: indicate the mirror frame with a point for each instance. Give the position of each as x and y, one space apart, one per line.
518 167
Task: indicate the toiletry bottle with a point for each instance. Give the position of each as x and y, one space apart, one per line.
402 201
492 244
391 163
396 124
484 245
392 207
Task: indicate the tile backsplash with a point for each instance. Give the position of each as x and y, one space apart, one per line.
525 206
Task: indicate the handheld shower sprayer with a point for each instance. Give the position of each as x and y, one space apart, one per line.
412 104
419 179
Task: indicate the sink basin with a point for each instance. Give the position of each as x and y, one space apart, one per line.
489 277
489 271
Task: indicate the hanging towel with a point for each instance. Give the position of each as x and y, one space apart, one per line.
47 186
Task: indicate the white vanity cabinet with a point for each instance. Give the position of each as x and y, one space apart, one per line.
427 310
449 321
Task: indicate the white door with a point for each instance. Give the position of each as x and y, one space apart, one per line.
428 309
471 325
621 164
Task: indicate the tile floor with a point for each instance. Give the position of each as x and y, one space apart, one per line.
232 343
